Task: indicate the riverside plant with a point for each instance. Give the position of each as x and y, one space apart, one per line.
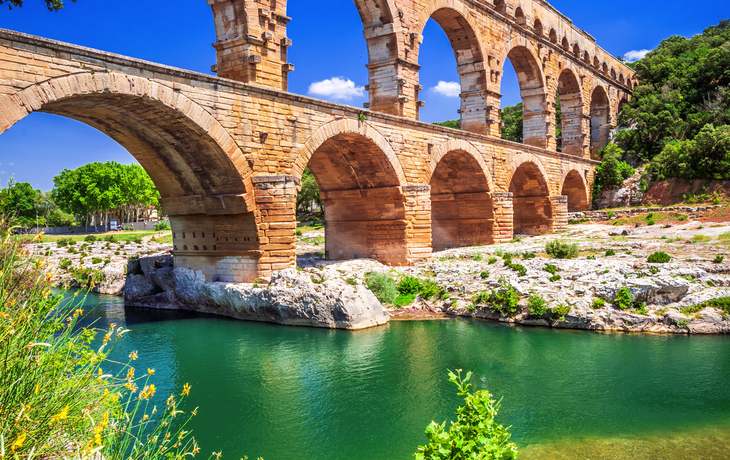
56 401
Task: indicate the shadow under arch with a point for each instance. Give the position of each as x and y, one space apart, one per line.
571 104
462 210
574 187
457 23
535 111
361 184
531 202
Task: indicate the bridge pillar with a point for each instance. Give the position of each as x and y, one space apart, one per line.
559 206
276 222
574 125
393 82
600 135
418 222
493 102
475 114
503 217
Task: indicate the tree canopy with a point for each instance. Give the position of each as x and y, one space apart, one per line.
52 5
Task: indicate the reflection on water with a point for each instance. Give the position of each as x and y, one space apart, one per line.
299 393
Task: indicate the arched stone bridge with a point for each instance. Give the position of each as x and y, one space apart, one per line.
227 153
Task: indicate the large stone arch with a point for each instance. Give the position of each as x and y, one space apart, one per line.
573 123
536 104
575 188
531 196
184 148
458 24
362 186
462 210
203 177
601 120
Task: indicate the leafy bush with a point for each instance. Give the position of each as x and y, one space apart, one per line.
683 323
610 252
129 229
65 264
529 255
110 238
560 310
480 297
474 435
90 238
505 298
550 268
704 157
484 275
96 260
403 300
623 298
654 270
430 289
137 239
477 257
598 303
718 259
382 286
492 260
659 257
557 249
555 278
520 269
612 172
63 242
351 281
72 251
721 303
162 226
298 232
507 258
409 285
536 305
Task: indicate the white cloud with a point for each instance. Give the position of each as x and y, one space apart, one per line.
11 164
635 55
336 88
448 88
3 172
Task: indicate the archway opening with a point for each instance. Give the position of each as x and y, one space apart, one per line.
570 101
500 6
538 28
520 16
462 212
472 79
553 36
364 212
531 201
600 127
574 188
533 108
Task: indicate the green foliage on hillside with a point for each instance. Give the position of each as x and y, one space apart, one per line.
309 195
453 124
512 119
683 87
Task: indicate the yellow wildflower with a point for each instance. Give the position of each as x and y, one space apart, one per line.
133 355
130 374
63 415
195 411
131 387
18 442
186 390
145 417
150 372
196 449
148 392
171 400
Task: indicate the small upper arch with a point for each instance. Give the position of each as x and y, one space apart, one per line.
553 36
520 16
538 28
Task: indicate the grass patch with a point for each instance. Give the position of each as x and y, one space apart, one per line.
701 238
557 249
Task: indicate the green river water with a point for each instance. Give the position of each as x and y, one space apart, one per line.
314 394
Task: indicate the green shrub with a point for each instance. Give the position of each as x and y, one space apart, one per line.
598 303
351 281
590 257
718 259
409 285
430 289
507 258
555 278
65 264
403 300
650 222
162 226
72 251
504 299
110 238
63 242
520 269
318 279
639 307
721 303
116 253
107 261
481 297
96 260
659 258
484 275
536 305
298 232
654 270
477 257
560 310
610 252
623 298
382 286
474 435
137 240
683 323
90 238
492 260
610 214
557 249
550 268
529 255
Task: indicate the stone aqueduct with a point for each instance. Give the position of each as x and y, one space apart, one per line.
227 153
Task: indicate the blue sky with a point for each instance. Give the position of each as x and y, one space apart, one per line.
328 44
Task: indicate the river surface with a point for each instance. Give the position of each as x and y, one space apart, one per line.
285 393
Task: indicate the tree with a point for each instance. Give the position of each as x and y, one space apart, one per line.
707 156
309 194
513 125
18 200
52 5
612 171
